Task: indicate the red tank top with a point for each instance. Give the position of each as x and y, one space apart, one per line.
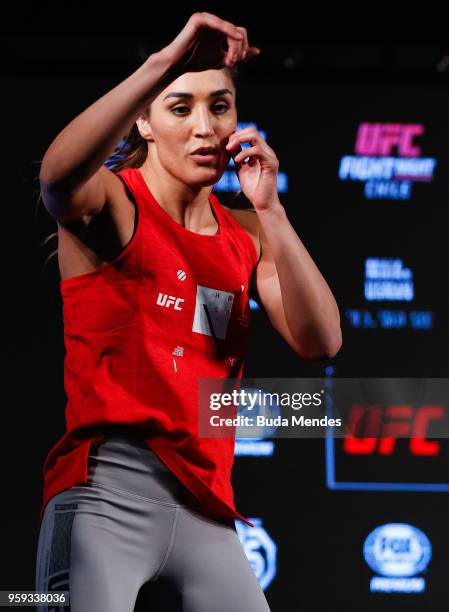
137 338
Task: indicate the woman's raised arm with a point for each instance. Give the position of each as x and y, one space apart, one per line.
76 155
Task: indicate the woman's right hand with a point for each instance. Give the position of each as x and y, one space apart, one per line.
201 45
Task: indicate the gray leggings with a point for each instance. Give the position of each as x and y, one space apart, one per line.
133 525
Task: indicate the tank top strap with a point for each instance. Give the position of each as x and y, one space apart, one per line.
234 227
132 187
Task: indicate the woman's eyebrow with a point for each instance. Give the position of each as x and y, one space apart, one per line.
180 94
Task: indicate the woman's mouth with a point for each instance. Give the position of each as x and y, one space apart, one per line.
203 158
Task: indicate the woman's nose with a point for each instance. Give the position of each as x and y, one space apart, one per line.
203 124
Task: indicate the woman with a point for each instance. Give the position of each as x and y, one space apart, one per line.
155 281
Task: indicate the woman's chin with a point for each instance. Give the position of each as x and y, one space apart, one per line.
205 177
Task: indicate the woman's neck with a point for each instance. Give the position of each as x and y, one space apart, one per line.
188 206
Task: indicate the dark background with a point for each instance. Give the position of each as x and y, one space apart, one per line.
309 98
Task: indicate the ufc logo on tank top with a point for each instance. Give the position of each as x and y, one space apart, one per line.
169 300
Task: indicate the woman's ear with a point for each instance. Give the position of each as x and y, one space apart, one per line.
143 125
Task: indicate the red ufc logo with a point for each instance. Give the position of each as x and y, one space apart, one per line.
388 424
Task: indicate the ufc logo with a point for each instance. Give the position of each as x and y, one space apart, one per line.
380 138
169 300
377 429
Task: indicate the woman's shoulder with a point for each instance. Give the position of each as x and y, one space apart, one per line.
248 220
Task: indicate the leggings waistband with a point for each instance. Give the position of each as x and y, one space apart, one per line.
124 461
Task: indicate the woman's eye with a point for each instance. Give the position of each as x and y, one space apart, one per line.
223 108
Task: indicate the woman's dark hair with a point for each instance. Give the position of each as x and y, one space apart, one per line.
131 152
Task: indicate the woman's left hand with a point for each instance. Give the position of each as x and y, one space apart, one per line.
258 176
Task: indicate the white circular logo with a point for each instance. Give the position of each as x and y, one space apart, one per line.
181 275
397 549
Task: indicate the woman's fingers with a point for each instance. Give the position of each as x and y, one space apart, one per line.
252 52
245 52
220 24
235 55
245 44
243 56
239 49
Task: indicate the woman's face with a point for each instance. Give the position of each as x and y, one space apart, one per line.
196 110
